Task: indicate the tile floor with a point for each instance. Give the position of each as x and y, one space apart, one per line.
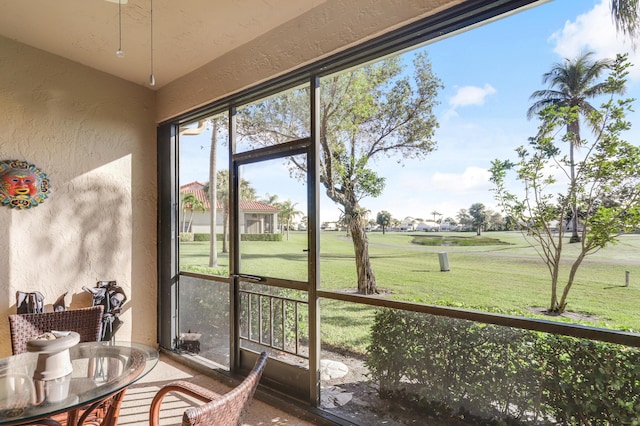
135 407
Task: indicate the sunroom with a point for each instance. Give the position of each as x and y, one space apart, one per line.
350 112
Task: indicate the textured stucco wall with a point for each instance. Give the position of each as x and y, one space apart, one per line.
94 136
328 28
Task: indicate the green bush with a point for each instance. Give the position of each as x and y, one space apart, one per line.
186 237
589 382
203 237
496 374
261 237
243 237
448 366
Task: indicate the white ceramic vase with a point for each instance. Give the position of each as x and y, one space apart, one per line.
53 355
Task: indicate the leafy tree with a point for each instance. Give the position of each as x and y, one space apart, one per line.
495 221
606 184
572 83
380 110
479 217
383 219
464 218
436 213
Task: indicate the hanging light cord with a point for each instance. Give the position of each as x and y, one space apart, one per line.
119 52
152 79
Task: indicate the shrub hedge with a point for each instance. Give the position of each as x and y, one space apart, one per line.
499 375
261 237
243 237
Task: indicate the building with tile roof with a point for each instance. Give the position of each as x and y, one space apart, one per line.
256 217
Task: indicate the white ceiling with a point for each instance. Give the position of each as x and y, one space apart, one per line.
186 33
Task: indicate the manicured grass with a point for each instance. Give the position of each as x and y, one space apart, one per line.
509 278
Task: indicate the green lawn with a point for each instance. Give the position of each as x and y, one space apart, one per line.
500 278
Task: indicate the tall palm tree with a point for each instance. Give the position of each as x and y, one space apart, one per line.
187 202
195 206
270 199
247 193
222 196
190 203
213 196
188 130
626 15
572 83
287 213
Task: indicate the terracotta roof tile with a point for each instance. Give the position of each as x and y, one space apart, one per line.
255 206
193 185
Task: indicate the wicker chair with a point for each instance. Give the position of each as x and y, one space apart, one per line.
87 322
219 410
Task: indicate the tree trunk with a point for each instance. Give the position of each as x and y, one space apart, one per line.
213 197
572 275
190 222
553 307
184 220
225 228
574 129
552 256
366 277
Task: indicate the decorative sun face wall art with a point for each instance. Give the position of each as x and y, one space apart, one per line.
22 185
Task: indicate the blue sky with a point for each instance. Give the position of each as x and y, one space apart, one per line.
488 72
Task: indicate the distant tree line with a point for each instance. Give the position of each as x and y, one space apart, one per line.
476 218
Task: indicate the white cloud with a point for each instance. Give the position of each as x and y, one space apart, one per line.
467 96
595 31
471 95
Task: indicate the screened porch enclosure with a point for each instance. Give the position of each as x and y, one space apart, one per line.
326 148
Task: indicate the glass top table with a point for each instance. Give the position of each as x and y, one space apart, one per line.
101 372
